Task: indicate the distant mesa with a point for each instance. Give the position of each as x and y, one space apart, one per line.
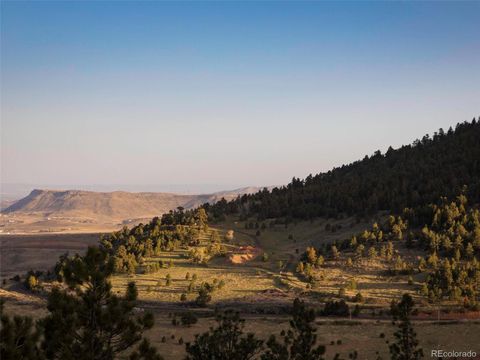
112 206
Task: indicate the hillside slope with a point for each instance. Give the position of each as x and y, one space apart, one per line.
410 176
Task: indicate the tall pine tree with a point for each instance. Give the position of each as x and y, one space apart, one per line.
87 321
405 346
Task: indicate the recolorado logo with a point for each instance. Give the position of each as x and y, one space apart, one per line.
452 354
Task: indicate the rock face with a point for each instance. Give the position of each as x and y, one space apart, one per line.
117 205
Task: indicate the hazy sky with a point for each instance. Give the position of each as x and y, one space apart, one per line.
248 93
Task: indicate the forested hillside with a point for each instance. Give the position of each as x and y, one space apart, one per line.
417 174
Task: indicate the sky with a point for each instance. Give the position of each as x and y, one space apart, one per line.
218 95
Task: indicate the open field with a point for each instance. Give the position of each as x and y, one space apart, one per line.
37 223
20 253
361 335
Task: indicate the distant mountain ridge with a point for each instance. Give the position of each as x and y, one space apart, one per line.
118 205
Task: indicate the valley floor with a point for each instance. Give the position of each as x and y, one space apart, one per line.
365 336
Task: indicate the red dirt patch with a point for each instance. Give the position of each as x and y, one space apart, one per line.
244 254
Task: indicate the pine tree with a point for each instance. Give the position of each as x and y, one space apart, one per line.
300 268
335 252
353 242
311 255
320 261
31 283
88 321
469 251
18 338
300 341
405 346
202 219
225 342
204 296
145 352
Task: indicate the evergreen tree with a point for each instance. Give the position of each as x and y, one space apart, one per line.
299 342
204 294
405 346
202 219
320 261
225 342
335 252
87 321
145 352
19 338
311 255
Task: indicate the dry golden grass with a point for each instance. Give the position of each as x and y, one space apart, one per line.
247 281
363 336
20 253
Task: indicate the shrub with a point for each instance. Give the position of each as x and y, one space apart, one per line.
188 318
31 281
204 296
336 308
352 284
358 297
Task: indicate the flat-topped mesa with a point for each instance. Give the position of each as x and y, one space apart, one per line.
115 205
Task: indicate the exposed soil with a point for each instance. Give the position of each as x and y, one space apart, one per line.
244 254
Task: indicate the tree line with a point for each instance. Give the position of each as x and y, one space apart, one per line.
411 176
175 229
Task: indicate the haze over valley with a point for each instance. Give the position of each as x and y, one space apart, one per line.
88 211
